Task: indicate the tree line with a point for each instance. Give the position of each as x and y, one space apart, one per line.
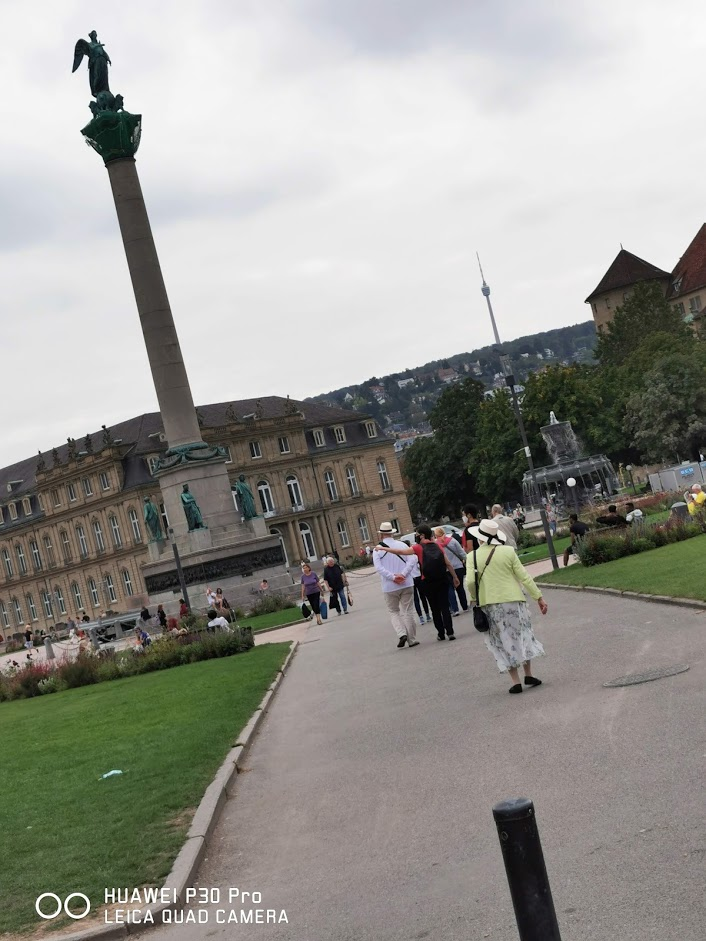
643 398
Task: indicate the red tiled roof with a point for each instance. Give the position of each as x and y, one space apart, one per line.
690 271
627 269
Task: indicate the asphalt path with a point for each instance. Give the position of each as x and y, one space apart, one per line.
365 811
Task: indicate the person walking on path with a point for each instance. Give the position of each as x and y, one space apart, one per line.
397 584
501 576
577 530
506 526
336 581
455 554
311 588
436 572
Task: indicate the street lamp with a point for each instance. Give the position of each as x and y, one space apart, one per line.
510 383
571 484
628 468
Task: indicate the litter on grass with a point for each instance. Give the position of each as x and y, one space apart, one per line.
109 774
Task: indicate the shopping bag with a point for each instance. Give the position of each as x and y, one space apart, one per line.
306 611
323 608
350 599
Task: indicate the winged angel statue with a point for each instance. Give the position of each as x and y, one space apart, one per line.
98 62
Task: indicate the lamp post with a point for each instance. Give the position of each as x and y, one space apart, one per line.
510 383
628 468
571 484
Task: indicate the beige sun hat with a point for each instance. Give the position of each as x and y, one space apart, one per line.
488 531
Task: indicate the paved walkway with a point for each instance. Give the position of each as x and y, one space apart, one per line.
366 809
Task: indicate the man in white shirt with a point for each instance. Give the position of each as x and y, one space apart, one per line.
216 623
633 515
506 525
396 574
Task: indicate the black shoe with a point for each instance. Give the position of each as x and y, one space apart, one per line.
440 637
532 681
452 636
517 688
402 641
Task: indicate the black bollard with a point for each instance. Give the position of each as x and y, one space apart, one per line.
526 872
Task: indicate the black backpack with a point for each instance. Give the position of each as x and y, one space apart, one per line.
433 563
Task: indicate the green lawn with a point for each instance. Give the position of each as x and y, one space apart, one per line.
275 619
535 553
64 828
675 570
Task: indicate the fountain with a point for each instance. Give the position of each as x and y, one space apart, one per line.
592 474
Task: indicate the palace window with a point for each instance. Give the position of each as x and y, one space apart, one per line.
27 506
82 542
343 534
36 557
12 507
319 439
98 533
382 473
295 494
352 481
8 563
46 603
229 456
93 589
135 523
104 480
340 433
110 588
330 482
87 486
19 617
21 560
127 582
76 592
115 531
65 545
265 494
59 595
364 531
32 608
371 429
283 442
695 304
5 616
71 491
55 498
255 450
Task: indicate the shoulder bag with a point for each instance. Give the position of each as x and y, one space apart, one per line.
480 618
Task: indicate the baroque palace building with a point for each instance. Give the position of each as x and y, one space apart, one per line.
72 535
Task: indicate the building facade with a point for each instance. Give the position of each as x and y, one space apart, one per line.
684 287
72 533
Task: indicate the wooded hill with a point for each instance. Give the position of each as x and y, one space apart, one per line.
402 401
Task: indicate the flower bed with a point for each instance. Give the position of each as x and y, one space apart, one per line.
37 679
609 545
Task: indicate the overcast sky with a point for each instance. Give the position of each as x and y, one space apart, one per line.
319 175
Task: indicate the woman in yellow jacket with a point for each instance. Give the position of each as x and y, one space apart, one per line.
501 574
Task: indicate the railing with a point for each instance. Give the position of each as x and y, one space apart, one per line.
299 508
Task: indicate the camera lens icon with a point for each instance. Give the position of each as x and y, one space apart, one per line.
48 915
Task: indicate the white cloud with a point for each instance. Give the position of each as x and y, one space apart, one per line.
319 177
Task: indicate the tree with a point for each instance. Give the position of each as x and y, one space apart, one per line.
494 463
667 417
645 312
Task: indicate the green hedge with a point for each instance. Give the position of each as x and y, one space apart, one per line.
607 546
37 679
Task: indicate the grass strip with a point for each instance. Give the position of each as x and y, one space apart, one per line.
274 619
676 571
64 828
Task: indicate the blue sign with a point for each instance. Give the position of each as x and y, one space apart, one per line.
687 471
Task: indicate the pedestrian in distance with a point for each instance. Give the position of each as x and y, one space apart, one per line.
612 518
634 516
336 581
397 577
162 615
501 577
506 525
456 555
577 530
28 642
183 608
437 572
311 590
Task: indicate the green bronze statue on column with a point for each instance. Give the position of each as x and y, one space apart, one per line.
113 132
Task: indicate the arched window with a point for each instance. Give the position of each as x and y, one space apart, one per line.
364 531
127 582
76 592
295 494
93 590
265 494
308 542
352 481
135 523
330 482
384 478
276 532
115 531
59 595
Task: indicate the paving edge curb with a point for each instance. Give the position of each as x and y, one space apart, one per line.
202 826
639 596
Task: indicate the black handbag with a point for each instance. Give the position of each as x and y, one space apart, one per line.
480 618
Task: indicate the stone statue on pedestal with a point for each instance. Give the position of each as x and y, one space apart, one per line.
152 521
245 498
192 512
